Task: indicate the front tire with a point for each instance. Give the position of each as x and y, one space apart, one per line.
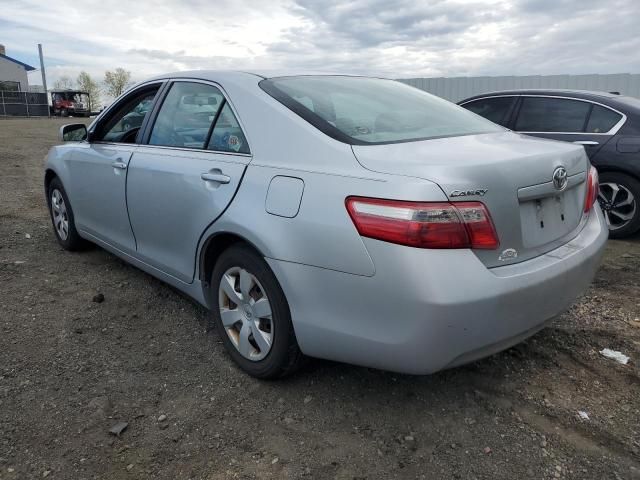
62 217
619 198
252 315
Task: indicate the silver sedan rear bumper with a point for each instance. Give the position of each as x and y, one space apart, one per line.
426 310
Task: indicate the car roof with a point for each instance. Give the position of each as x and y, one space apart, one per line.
586 94
625 104
212 75
238 76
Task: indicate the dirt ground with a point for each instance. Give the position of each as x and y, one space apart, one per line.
71 369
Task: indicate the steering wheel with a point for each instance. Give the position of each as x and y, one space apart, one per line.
130 135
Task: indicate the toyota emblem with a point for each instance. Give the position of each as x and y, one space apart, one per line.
560 178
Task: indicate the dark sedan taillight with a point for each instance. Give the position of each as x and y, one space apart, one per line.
424 224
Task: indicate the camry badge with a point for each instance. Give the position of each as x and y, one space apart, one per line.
560 178
468 193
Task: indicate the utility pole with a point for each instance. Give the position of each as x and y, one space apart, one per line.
44 78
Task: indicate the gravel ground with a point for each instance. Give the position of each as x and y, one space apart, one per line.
72 368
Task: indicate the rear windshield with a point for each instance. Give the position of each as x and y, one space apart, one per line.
369 111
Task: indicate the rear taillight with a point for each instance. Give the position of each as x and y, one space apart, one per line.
424 224
593 187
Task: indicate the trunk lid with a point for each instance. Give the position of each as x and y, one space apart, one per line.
510 173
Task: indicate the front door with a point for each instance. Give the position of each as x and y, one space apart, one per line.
99 174
184 178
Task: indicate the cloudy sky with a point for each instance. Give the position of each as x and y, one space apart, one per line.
395 38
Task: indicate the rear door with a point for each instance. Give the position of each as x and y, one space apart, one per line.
567 119
184 176
98 170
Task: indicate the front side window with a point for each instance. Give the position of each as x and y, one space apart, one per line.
365 111
545 114
495 109
123 124
186 115
602 120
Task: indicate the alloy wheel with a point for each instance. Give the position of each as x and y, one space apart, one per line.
246 313
618 204
60 215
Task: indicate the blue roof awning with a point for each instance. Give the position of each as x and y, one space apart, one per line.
28 68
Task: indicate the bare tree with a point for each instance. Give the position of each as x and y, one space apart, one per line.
89 85
63 83
116 81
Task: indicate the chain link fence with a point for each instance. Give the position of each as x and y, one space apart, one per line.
23 104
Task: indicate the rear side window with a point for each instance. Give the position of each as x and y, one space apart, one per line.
227 135
496 109
186 115
370 111
544 114
602 120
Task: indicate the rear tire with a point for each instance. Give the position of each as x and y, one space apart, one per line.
62 218
257 331
620 198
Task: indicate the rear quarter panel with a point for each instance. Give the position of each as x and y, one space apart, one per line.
322 233
613 158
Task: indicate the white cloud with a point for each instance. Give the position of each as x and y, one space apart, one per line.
397 38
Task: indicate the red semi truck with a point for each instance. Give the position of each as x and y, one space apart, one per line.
69 102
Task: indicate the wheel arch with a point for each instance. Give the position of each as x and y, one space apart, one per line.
49 175
618 169
211 250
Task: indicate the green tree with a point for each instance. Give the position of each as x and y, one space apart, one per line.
89 85
63 83
116 81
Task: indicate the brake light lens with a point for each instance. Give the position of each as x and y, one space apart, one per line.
424 224
593 188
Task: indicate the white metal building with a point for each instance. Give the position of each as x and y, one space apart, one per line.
459 88
13 73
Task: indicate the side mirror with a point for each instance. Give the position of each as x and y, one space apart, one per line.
75 132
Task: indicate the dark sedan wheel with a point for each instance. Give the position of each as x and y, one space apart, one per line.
62 218
619 197
252 315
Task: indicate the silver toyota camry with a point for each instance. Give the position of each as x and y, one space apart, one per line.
348 218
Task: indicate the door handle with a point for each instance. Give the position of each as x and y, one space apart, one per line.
215 177
119 164
588 143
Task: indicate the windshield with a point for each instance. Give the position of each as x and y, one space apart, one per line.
363 111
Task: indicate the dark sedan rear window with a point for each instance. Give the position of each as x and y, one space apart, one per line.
602 119
369 111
